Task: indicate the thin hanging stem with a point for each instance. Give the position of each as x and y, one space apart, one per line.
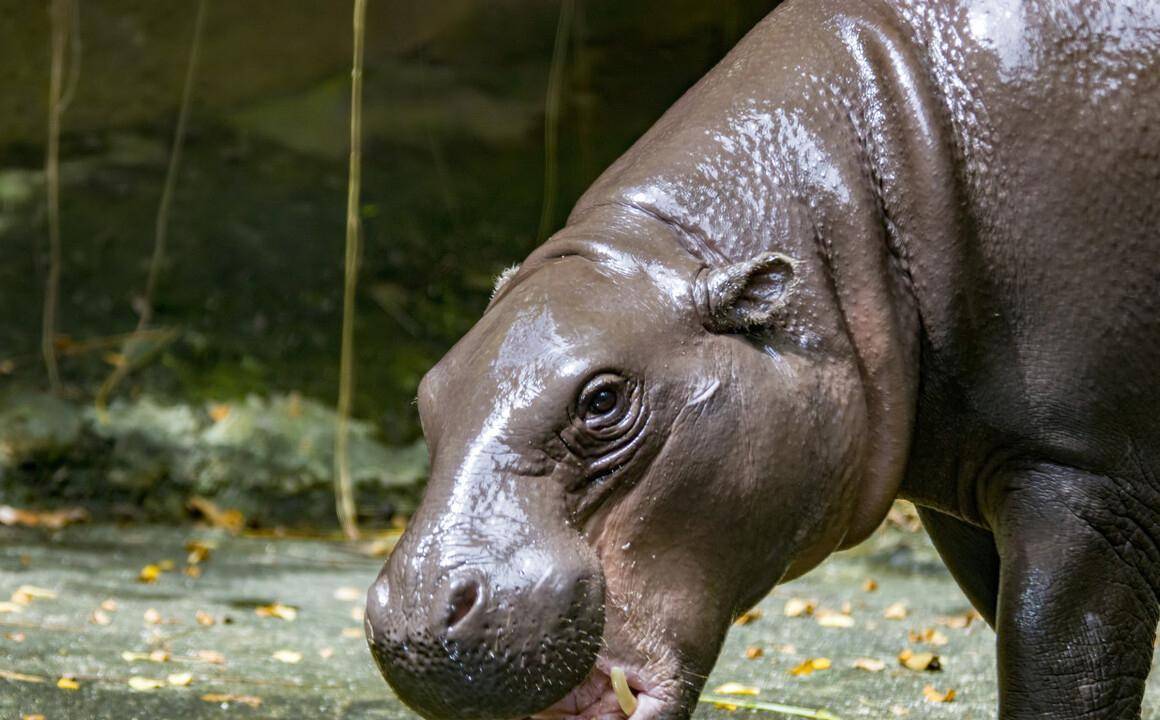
161 223
343 484
59 17
552 104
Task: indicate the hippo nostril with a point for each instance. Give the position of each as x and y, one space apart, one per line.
464 596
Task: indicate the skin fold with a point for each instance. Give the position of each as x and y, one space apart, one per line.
887 248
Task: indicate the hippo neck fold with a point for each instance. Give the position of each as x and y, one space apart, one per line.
846 164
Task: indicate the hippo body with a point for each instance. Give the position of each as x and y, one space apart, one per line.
887 248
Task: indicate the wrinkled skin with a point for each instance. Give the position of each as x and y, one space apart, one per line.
884 249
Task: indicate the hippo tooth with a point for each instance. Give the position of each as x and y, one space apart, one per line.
624 695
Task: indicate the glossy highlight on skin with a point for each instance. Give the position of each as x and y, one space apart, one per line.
887 248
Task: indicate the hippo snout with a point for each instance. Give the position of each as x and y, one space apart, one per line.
485 640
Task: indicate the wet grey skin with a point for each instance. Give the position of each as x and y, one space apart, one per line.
885 249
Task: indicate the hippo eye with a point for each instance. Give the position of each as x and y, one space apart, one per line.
602 402
601 399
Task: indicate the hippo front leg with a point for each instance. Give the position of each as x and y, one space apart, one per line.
1077 607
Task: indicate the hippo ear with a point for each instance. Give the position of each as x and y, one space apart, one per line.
745 295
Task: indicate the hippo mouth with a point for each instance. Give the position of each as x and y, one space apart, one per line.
598 698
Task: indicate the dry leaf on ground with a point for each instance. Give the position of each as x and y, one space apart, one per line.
230 520
53 520
896 611
749 616
144 683
180 679
277 610
810 665
870 664
735 688
287 656
935 696
930 636
796 607
251 700
919 662
833 619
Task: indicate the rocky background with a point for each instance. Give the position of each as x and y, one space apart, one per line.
230 399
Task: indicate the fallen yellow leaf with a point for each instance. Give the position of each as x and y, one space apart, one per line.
54 520
211 656
203 618
230 520
144 683
960 622
754 652
28 593
735 688
935 696
870 585
749 616
180 679
250 700
810 665
930 636
149 574
100 617
10 607
870 664
68 683
896 611
277 610
919 662
287 656
796 607
831 619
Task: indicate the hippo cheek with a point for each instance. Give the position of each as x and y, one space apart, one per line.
490 639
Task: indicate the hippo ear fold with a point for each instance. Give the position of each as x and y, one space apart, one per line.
746 295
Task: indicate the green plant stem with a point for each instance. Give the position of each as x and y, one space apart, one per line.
792 710
552 105
343 484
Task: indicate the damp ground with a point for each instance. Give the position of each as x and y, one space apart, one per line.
270 628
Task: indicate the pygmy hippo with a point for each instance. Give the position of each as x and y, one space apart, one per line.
886 248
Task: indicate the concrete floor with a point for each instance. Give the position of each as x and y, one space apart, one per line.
86 566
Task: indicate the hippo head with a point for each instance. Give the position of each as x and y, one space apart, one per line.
629 449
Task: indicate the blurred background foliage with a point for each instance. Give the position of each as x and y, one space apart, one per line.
232 398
